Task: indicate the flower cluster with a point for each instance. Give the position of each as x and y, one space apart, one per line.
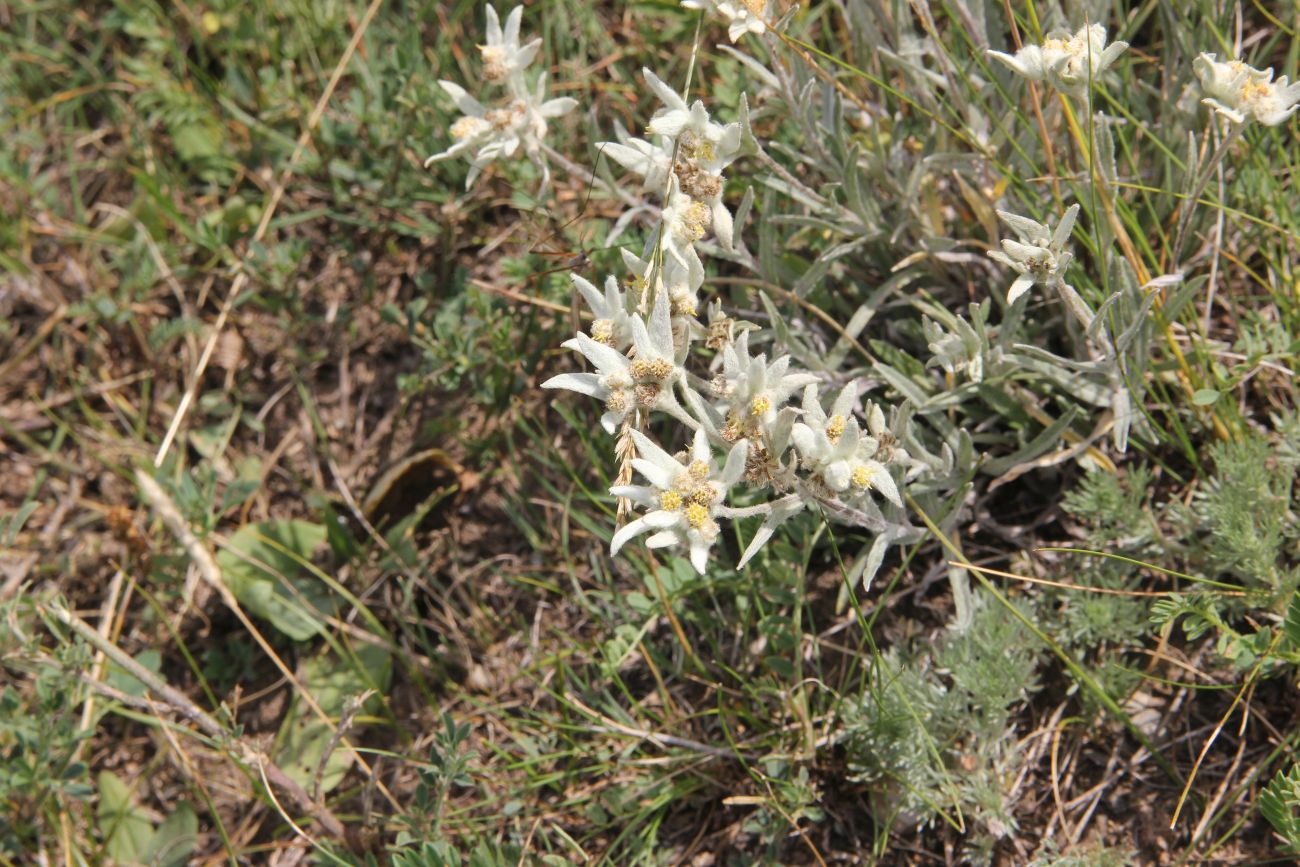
746 16
684 163
642 341
640 379
1039 256
1070 63
837 453
684 497
1240 92
517 122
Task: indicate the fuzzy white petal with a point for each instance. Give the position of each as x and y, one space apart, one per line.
699 555
722 224
583 383
466 103
650 450
654 474
627 533
882 481
1020 287
1065 227
513 21
669 96
663 539
558 106
735 466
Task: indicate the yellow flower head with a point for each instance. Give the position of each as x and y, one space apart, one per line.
697 516
835 428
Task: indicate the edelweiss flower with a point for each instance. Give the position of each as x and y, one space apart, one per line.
956 351
653 163
722 143
704 149
503 58
612 325
1239 92
499 135
683 498
754 389
1039 256
747 16
520 123
627 384
685 221
693 150
680 281
833 448
1068 63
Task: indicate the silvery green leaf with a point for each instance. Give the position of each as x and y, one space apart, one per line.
912 193
832 110
1025 227
806 100
1074 303
1122 406
870 564
781 334
749 144
857 322
1077 386
947 458
1100 319
785 18
965 456
1162 281
1042 354
949 398
937 312
708 417
1140 321
962 598
1035 448
767 246
901 383
756 69
1105 148
860 203
1191 165
781 512
1065 227
779 435
901 423
795 193
742 214
820 224
1175 303
823 263
918 73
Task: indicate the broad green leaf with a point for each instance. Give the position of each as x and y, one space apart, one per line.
780 666
304 738
1291 626
262 564
126 829
173 842
121 680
